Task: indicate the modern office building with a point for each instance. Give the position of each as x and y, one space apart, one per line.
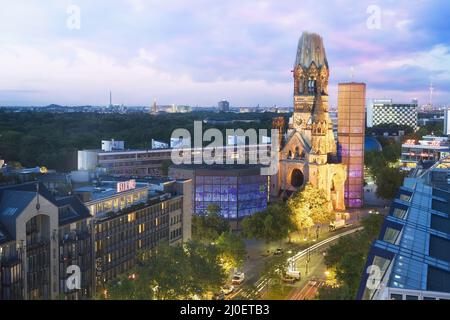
429 150
386 112
134 216
411 258
239 191
447 122
43 242
351 133
223 106
148 162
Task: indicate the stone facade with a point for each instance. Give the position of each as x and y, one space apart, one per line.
309 151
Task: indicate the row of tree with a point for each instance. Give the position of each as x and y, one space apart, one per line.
304 210
170 272
195 269
346 260
52 139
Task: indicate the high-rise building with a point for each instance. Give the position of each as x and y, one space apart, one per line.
447 122
386 112
223 106
351 132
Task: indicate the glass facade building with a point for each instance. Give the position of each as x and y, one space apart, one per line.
239 190
351 132
411 258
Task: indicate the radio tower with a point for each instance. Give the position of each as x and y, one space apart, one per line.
431 95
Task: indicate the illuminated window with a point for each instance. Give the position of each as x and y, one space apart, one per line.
131 217
109 257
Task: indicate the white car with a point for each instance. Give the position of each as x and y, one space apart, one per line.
238 278
227 289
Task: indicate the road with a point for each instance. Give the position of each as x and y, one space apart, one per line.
313 254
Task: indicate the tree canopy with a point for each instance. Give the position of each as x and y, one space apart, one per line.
348 257
272 224
172 272
309 207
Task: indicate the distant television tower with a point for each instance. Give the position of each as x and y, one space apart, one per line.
431 95
110 99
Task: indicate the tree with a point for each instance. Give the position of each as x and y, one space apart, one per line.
273 224
388 181
310 207
348 257
208 227
172 272
232 250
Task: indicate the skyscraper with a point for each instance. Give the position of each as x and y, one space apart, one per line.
351 131
223 106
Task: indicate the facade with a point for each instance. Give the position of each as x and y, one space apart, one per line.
351 133
429 150
132 216
239 191
447 122
41 240
386 112
411 258
309 152
223 106
144 163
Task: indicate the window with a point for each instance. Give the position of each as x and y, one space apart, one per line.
410 297
395 296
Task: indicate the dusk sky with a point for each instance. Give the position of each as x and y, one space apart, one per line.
198 52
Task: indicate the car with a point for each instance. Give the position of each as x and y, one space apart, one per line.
238 278
278 252
294 274
288 279
219 296
228 289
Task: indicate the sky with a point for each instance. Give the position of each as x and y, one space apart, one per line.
197 52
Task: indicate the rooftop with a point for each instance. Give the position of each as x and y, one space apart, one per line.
310 49
413 249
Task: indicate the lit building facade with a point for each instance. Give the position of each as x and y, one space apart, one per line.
133 216
351 133
239 190
428 150
309 151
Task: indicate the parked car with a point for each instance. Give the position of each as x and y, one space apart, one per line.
238 278
228 289
288 279
219 296
294 274
278 252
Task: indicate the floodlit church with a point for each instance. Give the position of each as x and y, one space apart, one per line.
308 150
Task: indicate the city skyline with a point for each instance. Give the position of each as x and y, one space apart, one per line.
176 53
